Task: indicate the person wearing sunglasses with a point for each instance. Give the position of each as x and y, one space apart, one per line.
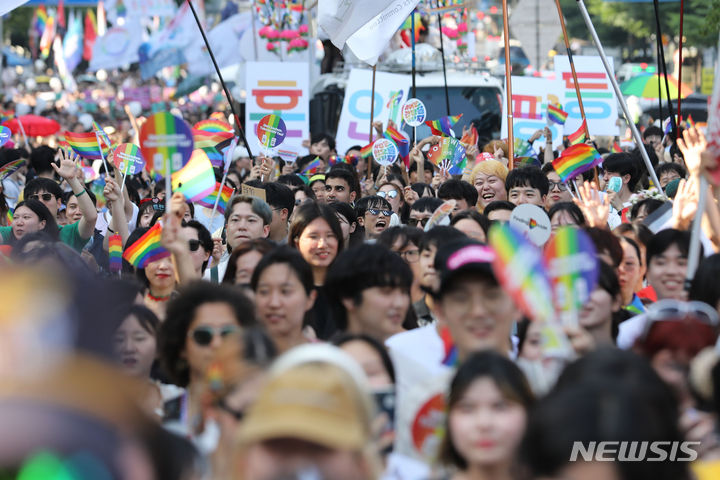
200 243
422 210
559 191
373 214
199 320
391 193
49 193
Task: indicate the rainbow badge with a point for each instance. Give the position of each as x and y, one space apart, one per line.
402 142
414 112
196 180
166 140
385 151
147 248
576 160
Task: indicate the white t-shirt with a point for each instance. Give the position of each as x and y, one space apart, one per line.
103 220
630 330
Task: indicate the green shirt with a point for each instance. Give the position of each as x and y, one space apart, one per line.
69 235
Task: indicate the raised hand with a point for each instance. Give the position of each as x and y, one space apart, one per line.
692 146
68 165
685 204
594 205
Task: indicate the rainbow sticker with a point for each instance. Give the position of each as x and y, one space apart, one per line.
128 159
5 135
271 131
384 151
413 112
164 139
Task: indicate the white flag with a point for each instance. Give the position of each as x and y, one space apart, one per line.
9 5
224 40
119 46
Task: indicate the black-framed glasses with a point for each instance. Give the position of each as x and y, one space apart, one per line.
410 256
204 335
46 197
194 245
377 211
414 222
562 186
237 414
390 194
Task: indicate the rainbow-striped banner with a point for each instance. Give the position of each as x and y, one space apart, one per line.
213 125
86 145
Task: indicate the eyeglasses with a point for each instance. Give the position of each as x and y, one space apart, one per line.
237 414
194 245
203 336
46 197
390 194
413 222
560 186
677 311
410 256
375 211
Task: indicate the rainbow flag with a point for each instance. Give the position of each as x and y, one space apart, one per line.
41 20
616 148
401 142
205 139
9 216
312 167
196 180
147 248
215 157
86 145
6 115
10 168
450 358
115 252
366 151
523 148
442 125
209 201
690 122
576 160
213 125
101 134
556 114
471 137
579 135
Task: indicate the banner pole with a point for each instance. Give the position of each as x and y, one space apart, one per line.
618 94
508 87
372 117
442 54
222 82
412 42
663 64
680 59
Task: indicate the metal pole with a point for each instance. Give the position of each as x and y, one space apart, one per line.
680 59
412 43
618 93
372 117
508 87
664 69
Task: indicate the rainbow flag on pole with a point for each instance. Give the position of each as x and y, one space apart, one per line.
205 139
213 125
442 125
86 145
115 252
576 160
366 151
147 248
101 134
312 167
225 195
556 114
579 135
401 141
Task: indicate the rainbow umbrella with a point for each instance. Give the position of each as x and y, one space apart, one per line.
646 86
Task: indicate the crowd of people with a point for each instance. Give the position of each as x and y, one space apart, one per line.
333 327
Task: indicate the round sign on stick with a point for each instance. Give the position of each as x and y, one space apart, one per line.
163 138
384 151
128 159
5 135
271 131
413 112
533 222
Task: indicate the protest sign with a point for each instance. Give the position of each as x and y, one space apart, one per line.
531 97
278 89
249 191
166 138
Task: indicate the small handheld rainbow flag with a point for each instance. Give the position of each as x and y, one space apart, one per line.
86 145
196 180
10 168
147 248
523 148
401 142
471 137
442 125
312 167
115 252
579 135
209 201
616 148
216 158
213 125
556 114
690 122
205 139
101 134
576 160
366 151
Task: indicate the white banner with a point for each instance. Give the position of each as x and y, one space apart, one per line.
138 8
531 96
180 32
280 88
597 94
340 19
119 46
354 125
9 5
224 40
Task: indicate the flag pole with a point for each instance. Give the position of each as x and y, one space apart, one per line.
372 117
508 87
618 93
694 252
442 54
412 43
217 199
663 64
102 155
253 7
22 131
222 82
680 59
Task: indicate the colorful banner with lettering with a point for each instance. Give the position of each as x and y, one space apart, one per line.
279 88
354 125
596 90
531 96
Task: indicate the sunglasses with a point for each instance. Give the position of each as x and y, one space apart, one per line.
375 211
670 310
390 194
203 336
413 222
46 197
194 245
560 185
